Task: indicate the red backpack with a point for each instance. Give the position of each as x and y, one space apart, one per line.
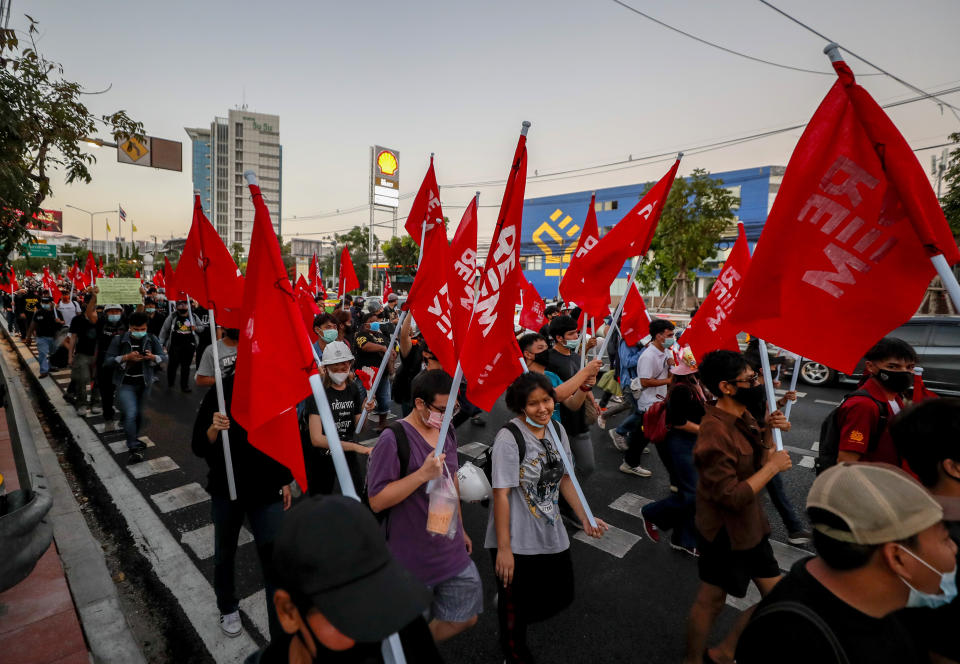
655 422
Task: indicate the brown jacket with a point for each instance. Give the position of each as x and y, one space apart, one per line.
727 452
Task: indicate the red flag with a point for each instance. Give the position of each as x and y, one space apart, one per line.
845 240
274 351
74 271
426 207
112 275
462 263
634 320
207 272
596 269
577 286
11 285
91 266
158 278
50 284
429 302
348 278
27 273
170 277
531 311
308 308
711 327
494 358
366 376
137 275
387 289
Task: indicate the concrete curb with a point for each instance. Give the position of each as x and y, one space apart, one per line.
94 594
156 544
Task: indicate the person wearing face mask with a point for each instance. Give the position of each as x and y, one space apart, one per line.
180 335
83 349
441 563
155 317
735 458
414 358
371 344
327 329
862 416
525 536
133 357
536 354
110 324
340 592
46 322
881 546
227 354
346 397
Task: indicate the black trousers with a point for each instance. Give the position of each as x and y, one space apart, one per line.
181 355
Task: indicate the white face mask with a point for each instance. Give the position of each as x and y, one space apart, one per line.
948 586
339 378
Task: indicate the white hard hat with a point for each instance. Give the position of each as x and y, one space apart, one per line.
336 352
474 485
107 307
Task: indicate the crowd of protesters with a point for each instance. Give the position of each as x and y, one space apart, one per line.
883 511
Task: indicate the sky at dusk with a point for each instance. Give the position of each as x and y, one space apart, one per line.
597 82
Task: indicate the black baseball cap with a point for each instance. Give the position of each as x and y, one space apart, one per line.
330 551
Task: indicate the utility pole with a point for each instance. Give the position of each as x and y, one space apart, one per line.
938 167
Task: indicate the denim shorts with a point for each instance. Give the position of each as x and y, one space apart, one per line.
459 598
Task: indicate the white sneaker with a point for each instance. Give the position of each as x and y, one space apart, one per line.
617 399
96 410
618 441
82 411
230 624
601 421
639 471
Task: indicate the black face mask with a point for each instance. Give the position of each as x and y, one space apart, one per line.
542 358
182 313
895 381
232 334
751 397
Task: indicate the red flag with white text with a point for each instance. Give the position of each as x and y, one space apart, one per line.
494 358
848 241
387 289
711 327
274 358
578 286
462 262
426 209
429 302
634 320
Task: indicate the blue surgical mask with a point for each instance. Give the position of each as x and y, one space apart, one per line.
138 334
150 310
329 336
534 423
948 586
375 327
113 318
572 344
668 342
46 306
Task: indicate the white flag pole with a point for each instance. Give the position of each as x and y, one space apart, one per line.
566 463
221 403
583 342
948 278
448 414
619 310
768 386
793 386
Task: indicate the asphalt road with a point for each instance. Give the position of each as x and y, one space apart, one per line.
632 594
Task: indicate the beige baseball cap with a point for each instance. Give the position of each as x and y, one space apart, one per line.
879 503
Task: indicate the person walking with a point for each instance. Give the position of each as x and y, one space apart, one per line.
180 336
45 324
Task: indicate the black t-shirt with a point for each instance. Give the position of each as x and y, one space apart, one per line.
155 324
411 364
567 366
47 322
345 404
86 335
106 331
367 358
684 406
26 303
181 332
788 638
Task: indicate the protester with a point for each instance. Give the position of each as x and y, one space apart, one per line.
735 459
889 373
133 357
550 312
653 377
527 540
686 403
155 319
629 356
414 358
263 493
881 545
565 363
83 349
345 322
340 592
68 307
442 563
327 329
45 324
346 397
371 345
25 304
226 353
536 353
110 324
180 336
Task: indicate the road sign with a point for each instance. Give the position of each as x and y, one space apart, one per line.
42 250
151 151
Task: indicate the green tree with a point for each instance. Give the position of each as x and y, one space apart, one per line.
402 254
698 211
951 180
356 240
43 123
236 250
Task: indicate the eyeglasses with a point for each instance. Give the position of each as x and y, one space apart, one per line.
440 409
752 380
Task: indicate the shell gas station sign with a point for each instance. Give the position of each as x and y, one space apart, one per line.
385 177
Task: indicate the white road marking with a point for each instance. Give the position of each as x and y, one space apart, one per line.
816 446
255 607
826 403
806 462
473 450
152 467
615 541
630 503
201 541
180 497
781 392
120 446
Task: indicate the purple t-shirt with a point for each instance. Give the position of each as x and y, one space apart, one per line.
431 558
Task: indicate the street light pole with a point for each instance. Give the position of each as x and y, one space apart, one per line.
91 219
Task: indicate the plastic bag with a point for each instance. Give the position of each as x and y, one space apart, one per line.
442 516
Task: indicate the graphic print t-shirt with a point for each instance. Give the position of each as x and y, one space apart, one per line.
345 404
367 358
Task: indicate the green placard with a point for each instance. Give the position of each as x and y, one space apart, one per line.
42 250
119 290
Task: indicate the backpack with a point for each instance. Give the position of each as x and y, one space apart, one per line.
796 608
403 455
655 422
830 432
485 461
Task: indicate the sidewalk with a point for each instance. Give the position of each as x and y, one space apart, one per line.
38 621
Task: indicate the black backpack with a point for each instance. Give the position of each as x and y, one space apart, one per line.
403 455
830 432
485 461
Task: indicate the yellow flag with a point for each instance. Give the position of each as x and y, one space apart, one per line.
134 226
108 226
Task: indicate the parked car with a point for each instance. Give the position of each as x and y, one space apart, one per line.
937 342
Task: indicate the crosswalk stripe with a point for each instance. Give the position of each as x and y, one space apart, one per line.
630 503
106 427
781 392
255 606
806 462
120 446
201 540
180 497
473 450
152 467
616 541
826 403
815 447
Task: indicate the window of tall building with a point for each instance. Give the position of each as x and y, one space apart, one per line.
239 131
238 225
239 156
238 236
238 201
604 206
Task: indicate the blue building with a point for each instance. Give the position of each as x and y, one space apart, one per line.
200 143
551 225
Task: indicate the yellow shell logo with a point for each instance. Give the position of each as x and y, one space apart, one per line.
387 163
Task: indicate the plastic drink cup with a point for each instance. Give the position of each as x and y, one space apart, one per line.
440 513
